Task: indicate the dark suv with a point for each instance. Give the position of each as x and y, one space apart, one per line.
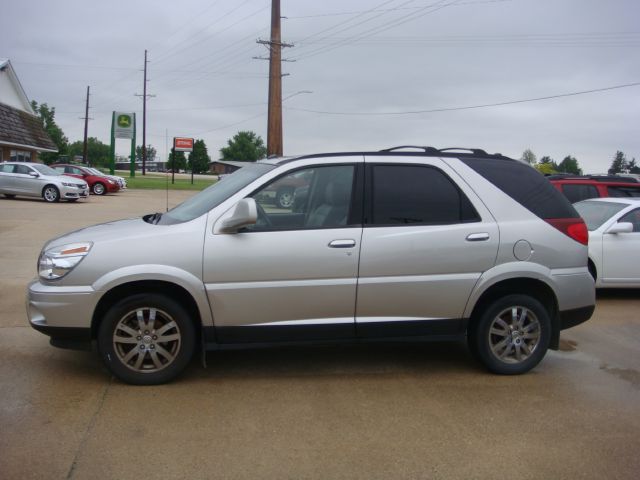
578 188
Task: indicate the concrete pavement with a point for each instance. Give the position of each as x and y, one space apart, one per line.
417 411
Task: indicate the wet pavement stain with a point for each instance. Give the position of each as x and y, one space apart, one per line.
567 345
627 374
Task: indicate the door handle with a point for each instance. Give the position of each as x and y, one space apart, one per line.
347 243
478 237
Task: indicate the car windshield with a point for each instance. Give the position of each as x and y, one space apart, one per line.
95 171
44 170
214 195
596 213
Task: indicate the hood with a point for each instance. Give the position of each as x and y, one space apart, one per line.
130 228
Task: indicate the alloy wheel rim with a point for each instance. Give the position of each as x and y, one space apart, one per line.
50 194
98 189
147 340
514 334
286 199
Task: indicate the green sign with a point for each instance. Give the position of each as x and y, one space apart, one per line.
124 125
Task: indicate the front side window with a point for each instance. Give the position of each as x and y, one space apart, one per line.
623 191
316 197
23 169
595 213
417 195
633 217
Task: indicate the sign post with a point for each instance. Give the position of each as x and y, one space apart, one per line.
183 144
123 125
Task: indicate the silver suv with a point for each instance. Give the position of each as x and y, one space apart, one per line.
38 180
396 244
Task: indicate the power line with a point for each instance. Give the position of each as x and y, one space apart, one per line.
469 107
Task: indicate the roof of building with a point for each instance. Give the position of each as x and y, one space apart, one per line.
23 100
21 129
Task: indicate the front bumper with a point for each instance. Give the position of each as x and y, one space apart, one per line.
63 313
73 192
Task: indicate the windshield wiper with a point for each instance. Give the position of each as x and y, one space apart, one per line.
153 219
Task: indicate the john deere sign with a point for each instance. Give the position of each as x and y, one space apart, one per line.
124 125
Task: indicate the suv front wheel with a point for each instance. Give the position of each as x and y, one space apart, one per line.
512 335
146 339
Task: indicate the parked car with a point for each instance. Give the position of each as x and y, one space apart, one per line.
577 188
614 240
98 184
37 180
122 182
396 244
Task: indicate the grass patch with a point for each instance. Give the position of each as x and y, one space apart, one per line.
160 183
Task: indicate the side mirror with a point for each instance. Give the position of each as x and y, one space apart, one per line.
34 174
621 227
244 213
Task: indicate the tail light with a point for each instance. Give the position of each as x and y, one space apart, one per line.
574 228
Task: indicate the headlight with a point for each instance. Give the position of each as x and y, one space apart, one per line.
111 182
56 262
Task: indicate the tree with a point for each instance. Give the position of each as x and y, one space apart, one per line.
177 161
244 147
98 152
547 166
199 158
633 168
151 153
47 118
569 164
619 164
529 157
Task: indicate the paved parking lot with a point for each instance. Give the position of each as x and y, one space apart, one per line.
420 411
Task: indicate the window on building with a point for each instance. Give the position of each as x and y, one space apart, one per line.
20 156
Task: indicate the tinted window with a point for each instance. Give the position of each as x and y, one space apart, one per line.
23 169
577 193
404 194
623 191
525 185
632 217
317 197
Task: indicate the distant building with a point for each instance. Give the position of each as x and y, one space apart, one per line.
22 136
223 167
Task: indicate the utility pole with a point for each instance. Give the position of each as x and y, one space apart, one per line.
144 115
274 122
85 156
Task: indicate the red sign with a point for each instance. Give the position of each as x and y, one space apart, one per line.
182 144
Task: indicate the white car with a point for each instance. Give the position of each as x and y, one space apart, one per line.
614 240
38 180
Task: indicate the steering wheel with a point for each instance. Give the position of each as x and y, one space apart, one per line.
263 221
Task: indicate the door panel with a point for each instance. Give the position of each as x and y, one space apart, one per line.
621 253
292 275
416 279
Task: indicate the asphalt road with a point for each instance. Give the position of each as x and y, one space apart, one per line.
375 412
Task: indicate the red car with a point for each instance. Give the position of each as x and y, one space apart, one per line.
577 188
98 184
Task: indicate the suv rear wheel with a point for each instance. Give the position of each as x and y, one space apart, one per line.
512 335
146 339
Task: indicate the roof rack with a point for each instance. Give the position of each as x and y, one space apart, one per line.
447 151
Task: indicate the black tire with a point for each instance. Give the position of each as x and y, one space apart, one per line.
148 361
99 188
9 195
284 198
525 336
51 194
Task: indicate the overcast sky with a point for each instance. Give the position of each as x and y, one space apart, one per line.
365 63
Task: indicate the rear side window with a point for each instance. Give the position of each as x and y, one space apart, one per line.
577 193
623 192
417 195
525 185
